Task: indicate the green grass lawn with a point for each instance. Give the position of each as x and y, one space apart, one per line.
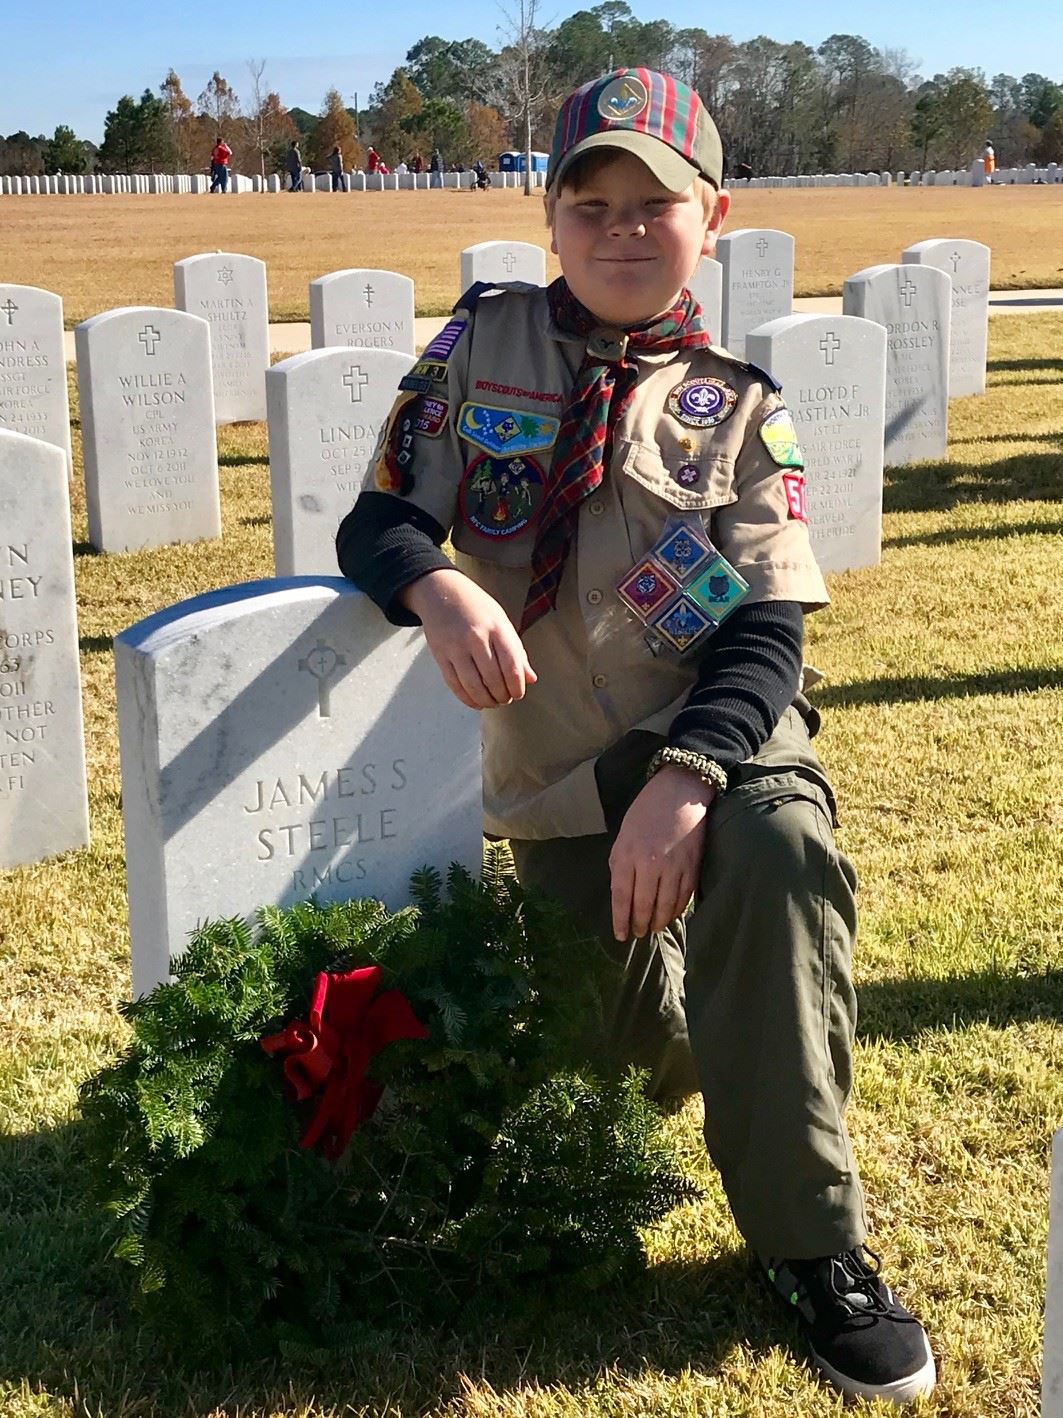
943 719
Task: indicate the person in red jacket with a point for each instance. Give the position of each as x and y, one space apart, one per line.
372 159
219 165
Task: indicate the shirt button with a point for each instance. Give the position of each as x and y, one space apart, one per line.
596 508
600 681
594 598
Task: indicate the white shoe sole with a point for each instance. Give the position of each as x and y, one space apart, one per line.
900 1391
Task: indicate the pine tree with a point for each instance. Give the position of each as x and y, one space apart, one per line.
180 120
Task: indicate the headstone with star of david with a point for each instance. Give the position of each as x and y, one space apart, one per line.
758 282
229 291
498 261
326 410
364 308
914 304
33 394
280 741
832 369
147 419
966 263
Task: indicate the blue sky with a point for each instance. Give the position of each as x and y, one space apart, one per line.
69 60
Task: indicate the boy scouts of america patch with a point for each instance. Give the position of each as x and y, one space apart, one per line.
500 496
394 466
794 485
779 437
506 431
702 402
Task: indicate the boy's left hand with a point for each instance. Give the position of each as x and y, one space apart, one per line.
656 857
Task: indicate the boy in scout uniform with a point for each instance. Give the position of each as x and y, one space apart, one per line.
631 570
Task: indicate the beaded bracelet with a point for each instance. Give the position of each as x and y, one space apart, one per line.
707 769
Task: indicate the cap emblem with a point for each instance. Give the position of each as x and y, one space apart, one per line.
625 98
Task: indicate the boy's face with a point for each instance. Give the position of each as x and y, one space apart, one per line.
628 245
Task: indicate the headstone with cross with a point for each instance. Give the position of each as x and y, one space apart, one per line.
967 264
33 386
325 414
43 802
147 415
758 281
279 740
364 309
229 291
913 302
833 372
497 261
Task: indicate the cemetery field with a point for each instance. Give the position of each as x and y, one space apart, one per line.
102 252
943 718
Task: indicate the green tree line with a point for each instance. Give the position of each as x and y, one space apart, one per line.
782 107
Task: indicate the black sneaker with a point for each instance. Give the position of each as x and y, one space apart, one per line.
863 1340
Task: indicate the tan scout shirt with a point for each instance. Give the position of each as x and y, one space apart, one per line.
597 677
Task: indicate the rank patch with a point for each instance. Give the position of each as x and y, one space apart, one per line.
718 589
702 402
506 431
432 417
682 551
440 348
394 467
646 588
779 437
682 624
794 485
500 496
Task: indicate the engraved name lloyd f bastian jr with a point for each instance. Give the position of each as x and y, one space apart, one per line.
354 823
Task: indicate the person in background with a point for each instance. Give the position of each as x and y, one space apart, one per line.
293 166
402 168
219 165
417 163
482 176
372 159
335 167
436 169
989 160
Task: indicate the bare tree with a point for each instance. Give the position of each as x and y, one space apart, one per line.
256 68
523 74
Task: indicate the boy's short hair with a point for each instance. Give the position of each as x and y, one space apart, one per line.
654 117
587 166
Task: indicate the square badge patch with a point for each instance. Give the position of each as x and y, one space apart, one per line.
680 625
646 589
682 550
718 589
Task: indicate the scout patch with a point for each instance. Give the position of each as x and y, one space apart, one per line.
779 437
507 431
500 496
687 475
432 417
702 402
717 589
415 383
681 624
440 348
646 588
394 466
794 485
435 370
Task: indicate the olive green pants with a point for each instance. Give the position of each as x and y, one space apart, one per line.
748 997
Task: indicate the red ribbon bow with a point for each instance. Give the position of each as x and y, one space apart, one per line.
349 1023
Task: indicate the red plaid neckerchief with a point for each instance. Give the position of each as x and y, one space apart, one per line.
604 388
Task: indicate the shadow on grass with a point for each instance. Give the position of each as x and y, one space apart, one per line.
242 460
903 690
949 536
264 520
95 644
926 487
66 1327
1009 438
86 549
901 1009
997 364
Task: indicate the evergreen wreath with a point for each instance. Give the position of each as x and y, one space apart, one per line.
495 1154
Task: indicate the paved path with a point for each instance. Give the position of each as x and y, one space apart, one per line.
293 338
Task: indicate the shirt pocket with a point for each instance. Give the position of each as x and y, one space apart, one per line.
687 480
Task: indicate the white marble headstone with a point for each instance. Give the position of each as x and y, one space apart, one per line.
229 291
1052 1369
498 261
370 309
326 410
966 263
913 302
833 372
706 286
280 740
43 800
758 281
147 416
33 397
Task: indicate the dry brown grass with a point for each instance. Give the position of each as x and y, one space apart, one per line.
100 252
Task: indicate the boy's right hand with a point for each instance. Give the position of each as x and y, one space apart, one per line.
475 644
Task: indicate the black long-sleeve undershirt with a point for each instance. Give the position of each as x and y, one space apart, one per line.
747 674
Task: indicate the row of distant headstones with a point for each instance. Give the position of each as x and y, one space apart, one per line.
147 403
71 184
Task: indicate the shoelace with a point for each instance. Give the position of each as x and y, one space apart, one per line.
863 1290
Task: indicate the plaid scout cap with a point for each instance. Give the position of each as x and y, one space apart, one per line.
652 116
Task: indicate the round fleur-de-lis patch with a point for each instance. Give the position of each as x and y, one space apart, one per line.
500 496
703 402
